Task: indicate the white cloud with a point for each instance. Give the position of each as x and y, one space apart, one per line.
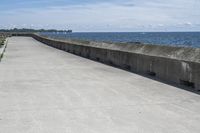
132 15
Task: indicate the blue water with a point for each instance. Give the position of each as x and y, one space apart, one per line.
186 39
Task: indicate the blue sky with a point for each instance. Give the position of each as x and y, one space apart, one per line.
102 15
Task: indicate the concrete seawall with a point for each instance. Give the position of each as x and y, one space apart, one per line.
175 65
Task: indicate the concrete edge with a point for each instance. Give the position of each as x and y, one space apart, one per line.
119 47
119 50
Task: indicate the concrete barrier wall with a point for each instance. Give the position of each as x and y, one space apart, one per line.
174 65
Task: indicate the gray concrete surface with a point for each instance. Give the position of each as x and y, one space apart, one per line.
174 65
45 90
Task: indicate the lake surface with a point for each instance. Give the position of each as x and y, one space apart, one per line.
186 39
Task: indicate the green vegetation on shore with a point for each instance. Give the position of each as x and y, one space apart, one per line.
2 40
32 30
2 44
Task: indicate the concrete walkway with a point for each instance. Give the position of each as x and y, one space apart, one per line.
45 90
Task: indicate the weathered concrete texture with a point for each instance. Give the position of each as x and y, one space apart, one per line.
170 64
45 90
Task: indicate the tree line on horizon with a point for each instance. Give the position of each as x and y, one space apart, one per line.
33 30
